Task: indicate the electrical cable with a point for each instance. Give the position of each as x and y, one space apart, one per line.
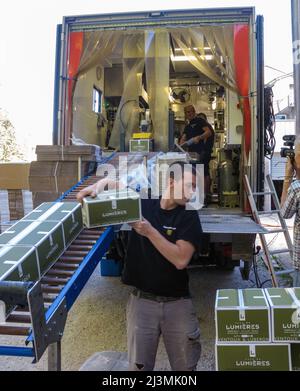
270 124
121 109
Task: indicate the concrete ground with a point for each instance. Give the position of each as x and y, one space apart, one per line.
97 320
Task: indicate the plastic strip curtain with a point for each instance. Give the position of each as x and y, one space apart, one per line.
127 117
220 41
187 40
86 51
157 62
76 47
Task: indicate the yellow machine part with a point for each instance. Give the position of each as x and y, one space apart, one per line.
142 135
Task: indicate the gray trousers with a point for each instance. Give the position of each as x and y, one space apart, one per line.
176 321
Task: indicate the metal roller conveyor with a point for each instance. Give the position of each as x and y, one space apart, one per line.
41 309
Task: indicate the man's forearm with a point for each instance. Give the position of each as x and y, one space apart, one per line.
286 185
169 250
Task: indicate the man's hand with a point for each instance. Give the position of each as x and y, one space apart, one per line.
143 228
182 139
197 139
87 191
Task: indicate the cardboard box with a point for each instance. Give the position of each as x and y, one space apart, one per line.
263 357
14 176
38 197
111 208
110 267
143 145
56 176
46 236
242 316
285 313
68 152
18 263
68 213
161 168
295 353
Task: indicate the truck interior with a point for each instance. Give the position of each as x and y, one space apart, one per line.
128 81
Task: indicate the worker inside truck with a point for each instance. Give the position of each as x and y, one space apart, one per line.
159 249
198 137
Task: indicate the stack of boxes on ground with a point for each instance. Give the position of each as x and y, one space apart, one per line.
31 246
258 329
58 168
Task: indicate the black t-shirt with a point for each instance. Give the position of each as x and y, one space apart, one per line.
145 267
195 128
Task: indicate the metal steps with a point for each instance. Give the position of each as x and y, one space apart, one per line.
267 254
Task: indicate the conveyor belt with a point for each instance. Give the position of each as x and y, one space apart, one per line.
67 277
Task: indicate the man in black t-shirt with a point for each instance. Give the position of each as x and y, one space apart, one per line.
159 250
198 135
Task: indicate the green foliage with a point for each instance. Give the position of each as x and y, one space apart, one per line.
9 148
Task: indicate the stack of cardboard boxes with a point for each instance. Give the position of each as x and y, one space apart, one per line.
162 165
15 204
258 329
58 168
30 247
112 208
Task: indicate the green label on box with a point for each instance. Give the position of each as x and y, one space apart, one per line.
50 248
140 145
285 310
69 213
72 226
13 231
254 327
46 236
286 324
111 209
18 263
253 357
242 316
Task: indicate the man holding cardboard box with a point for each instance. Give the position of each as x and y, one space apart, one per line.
160 247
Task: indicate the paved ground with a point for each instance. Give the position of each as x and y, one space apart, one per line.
97 320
